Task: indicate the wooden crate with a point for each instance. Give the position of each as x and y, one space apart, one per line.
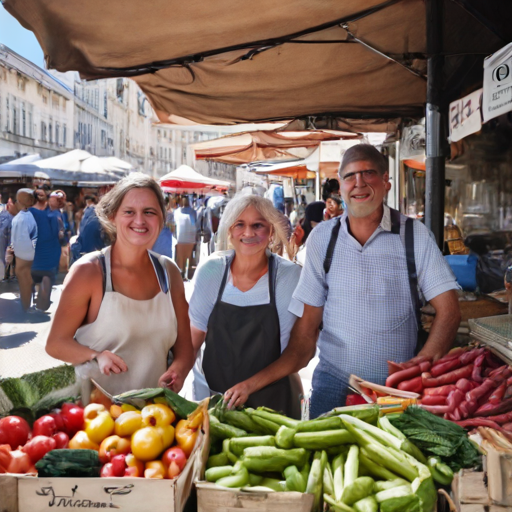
211 498
23 493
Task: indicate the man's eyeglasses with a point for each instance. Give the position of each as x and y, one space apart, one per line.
367 175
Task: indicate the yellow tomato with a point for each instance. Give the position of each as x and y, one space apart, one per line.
81 441
157 415
128 423
128 407
147 444
115 411
167 434
154 469
99 427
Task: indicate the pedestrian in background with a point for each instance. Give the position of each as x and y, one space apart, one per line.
47 255
185 218
333 207
6 217
24 240
41 194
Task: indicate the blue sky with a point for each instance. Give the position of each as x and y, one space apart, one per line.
22 41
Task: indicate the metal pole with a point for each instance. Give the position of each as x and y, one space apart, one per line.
435 170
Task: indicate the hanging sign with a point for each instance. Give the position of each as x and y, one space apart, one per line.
465 116
497 95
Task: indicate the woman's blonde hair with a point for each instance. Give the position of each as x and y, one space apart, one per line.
110 203
235 208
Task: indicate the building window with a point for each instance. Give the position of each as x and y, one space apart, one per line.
103 139
43 131
30 132
105 105
120 90
23 120
57 134
64 135
14 120
50 133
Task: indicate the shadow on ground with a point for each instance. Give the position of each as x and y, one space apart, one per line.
10 312
16 340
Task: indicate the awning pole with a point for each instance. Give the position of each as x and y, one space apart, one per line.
435 168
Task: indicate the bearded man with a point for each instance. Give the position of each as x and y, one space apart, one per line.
364 275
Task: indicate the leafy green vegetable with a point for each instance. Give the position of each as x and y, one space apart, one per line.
69 463
437 436
181 406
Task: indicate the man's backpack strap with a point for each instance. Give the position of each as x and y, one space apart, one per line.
411 269
408 241
332 244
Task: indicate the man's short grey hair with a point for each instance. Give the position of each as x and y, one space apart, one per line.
238 205
364 152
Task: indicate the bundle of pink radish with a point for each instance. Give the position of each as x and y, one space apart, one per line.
469 386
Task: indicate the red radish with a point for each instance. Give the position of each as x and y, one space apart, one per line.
445 367
441 390
464 385
414 385
498 394
454 353
434 400
503 407
447 378
393 380
478 422
470 356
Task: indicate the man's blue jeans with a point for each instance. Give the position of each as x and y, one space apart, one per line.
328 392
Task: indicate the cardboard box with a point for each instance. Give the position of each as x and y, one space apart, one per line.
23 493
211 498
499 476
470 493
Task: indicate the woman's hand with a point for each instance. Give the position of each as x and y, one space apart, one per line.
238 394
109 362
173 378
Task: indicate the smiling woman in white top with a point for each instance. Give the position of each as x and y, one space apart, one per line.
124 307
243 312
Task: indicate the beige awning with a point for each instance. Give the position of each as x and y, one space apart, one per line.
228 61
266 145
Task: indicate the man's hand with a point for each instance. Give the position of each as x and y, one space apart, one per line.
110 363
445 325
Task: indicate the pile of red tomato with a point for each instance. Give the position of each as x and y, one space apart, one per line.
21 448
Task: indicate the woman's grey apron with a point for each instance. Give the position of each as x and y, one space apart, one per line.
243 340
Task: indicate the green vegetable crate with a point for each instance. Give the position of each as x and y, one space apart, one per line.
211 498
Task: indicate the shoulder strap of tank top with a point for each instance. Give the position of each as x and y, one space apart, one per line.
108 274
160 271
332 244
101 258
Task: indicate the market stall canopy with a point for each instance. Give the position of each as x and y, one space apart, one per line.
79 166
266 145
228 62
185 178
27 159
325 159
